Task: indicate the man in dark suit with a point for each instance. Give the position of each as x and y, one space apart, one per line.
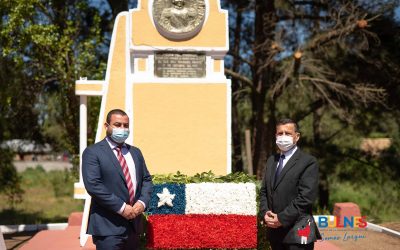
288 190
117 179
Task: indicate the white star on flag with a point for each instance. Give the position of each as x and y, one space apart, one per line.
165 198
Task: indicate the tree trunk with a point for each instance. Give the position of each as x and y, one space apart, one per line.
323 186
236 130
269 138
264 34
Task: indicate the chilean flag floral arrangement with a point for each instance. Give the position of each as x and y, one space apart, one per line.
202 215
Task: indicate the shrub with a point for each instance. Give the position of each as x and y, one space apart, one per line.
10 181
62 182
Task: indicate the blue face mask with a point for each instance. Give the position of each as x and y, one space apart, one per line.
119 135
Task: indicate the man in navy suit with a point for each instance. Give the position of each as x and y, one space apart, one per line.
288 190
118 198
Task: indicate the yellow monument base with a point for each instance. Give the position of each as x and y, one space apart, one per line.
182 126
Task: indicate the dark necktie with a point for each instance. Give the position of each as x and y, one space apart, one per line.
127 175
279 168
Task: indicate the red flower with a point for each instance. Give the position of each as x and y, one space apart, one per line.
202 231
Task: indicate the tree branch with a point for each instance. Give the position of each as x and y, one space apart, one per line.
235 55
239 77
319 4
301 16
347 20
311 108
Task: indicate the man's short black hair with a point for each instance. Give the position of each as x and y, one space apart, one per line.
287 121
115 112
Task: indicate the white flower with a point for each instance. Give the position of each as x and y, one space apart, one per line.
165 198
221 198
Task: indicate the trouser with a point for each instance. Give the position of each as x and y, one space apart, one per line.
117 242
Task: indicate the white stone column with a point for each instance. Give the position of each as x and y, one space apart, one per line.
82 131
79 188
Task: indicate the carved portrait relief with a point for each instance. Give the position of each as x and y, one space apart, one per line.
179 19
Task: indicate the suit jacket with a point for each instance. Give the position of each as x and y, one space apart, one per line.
105 182
293 194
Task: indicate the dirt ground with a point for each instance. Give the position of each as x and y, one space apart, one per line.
392 225
355 240
363 239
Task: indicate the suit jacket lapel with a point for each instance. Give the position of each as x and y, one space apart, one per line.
290 164
272 171
108 151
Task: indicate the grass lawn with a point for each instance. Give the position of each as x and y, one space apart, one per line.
48 197
379 202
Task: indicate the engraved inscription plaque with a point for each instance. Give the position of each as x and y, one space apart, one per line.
178 19
180 65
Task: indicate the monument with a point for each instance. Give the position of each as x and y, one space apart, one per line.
166 70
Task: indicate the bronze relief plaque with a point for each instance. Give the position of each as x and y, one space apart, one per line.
179 19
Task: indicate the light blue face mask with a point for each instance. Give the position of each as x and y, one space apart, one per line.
119 135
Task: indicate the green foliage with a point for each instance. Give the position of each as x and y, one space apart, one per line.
343 88
93 117
75 161
48 198
62 182
262 242
202 177
378 201
10 182
34 176
50 45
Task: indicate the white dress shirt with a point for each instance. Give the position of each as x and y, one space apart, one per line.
131 166
288 154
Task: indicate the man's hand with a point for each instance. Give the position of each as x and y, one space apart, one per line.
129 212
138 208
272 220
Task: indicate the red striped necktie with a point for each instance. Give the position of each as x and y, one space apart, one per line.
127 175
